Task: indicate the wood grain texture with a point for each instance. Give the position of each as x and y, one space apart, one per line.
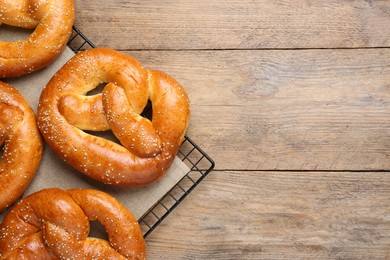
286 110
235 24
279 215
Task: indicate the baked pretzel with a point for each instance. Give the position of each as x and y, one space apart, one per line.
54 224
21 142
149 147
52 20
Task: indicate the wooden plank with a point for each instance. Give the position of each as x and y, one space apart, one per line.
235 24
280 215
294 110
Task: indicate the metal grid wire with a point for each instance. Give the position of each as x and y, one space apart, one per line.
199 163
78 41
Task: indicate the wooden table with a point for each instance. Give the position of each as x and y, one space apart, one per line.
292 101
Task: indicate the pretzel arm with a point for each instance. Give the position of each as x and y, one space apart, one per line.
121 226
135 132
84 112
66 246
18 13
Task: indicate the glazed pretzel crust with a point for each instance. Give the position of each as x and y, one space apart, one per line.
149 147
54 224
21 142
52 20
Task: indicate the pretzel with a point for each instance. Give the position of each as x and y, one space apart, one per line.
149 147
52 20
54 224
21 142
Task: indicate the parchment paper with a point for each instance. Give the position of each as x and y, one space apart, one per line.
53 172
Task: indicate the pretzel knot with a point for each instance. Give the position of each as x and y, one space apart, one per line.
65 111
54 224
21 142
52 20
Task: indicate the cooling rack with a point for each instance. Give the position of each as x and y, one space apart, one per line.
199 163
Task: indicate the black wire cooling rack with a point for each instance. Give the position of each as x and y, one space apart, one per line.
199 163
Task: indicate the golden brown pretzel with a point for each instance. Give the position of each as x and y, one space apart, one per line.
52 20
149 147
21 142
54 224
